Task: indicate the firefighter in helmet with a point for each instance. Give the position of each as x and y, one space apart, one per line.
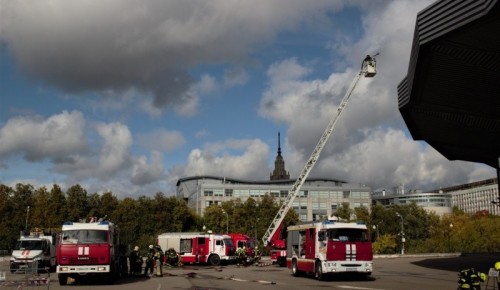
172 258
241 252
150 261
159 257
135 261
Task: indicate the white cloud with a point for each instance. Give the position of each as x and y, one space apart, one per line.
219 159
36 138
370 143
148 46
114 152
144 173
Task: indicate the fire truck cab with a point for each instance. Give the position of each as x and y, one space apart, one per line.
244 241
88 249
329 247
200 248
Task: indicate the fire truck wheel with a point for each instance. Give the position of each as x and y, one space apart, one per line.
295 271
318 273
63 279
214 260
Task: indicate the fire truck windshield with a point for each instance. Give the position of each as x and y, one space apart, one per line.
29 245
84 237
348 235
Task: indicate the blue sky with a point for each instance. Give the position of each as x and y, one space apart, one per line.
130 96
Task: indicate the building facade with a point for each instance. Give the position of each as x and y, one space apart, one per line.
439 203
317 199
480 196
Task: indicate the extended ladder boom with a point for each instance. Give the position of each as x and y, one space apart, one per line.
368 69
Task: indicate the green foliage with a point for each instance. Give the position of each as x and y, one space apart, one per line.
344 212
385 244
142 219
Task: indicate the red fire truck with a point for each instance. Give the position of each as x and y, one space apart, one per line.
329 247
88 249
201 248
273 238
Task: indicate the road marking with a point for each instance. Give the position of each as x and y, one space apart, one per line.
359 288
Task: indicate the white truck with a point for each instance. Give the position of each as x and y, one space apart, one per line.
36 249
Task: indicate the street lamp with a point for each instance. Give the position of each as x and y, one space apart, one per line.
227 221
402 234
375 228
449 238
27 216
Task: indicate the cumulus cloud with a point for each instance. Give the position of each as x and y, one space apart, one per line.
144 173
243 159
148 46
370 143
36 138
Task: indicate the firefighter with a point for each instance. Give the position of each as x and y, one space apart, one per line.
172 258
241 253
470 279
150 261
257 255
159 257
135 261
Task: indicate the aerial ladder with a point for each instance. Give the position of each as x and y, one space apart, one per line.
369 70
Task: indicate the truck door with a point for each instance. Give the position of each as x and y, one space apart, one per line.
310 243
201 248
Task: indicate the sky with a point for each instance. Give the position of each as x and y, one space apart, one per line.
130 96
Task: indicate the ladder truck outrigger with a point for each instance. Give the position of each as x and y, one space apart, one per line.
272 238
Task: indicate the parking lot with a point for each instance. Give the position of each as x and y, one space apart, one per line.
391 272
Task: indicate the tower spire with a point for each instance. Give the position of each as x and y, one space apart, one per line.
279 144
279 164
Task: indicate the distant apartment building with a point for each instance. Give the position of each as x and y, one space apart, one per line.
317 199
439 203
480 196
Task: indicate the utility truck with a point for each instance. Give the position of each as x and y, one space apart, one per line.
273 237
34 249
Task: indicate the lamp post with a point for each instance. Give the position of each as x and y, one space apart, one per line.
375 228
449 238
27 216
402 234
227 221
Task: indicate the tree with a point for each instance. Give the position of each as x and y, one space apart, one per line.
7 234
56 207
39 213
77 207
362 214
344 212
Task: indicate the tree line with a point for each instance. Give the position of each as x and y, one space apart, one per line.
142 219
